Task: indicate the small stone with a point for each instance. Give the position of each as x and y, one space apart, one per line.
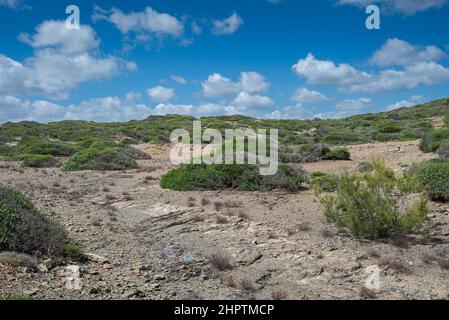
159 277
31 292
96 258
49 264
42 268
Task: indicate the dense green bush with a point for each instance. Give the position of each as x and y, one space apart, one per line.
434 176
372 205
45 147
102 156
323 182
389 127
240 177
38 160
443 150
365 166
24 229
432 140
340 153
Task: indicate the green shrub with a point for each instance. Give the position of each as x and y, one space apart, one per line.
38 160
73 251
102 156
24 229
340 153
443 150
389 127
323 182
372 205
434 176
432 140
45 147
365 166
303 154
240 177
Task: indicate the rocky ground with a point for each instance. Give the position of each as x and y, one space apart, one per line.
150 243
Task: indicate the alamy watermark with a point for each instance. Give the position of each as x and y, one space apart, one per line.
240 146
73 278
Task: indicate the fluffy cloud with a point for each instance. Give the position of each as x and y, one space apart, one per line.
217 85
227 26
14 109
179 79
424 73
410 102
417 68
10 3
107 109
54 34
305 95
245 102
60 62
253 82
297 111
327 72
147 22
408 7
161 94
396 52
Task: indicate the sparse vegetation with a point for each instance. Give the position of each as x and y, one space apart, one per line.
376 205
220 261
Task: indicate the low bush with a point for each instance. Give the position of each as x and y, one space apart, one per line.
377 204
240 177
434 176
103 156
432 140
443 150
24 229
340 153
323 182
45 147
365 166
38 160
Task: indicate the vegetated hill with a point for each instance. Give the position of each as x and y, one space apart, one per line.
37 144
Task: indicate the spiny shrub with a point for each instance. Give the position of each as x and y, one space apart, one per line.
365 166
443 150
38 160
340 153
240 177
46 147
323 182
102 156
24 229
434 176
432 140
377 204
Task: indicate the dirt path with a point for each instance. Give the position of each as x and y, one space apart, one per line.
157 243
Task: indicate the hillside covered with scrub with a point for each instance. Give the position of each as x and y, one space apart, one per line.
349 194
40 145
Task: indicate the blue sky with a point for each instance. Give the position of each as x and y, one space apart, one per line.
262 58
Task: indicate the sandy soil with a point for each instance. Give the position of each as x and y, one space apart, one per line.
156 244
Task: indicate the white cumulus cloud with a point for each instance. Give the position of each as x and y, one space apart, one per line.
161 94
227 26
